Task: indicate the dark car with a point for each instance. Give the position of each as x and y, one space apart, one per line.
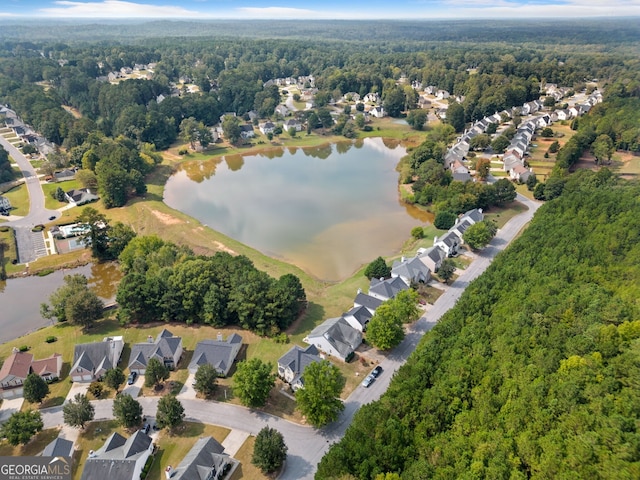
146 428
132 378
52 217
376 371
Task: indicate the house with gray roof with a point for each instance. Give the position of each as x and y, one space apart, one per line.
92 360
119 458
386 289
166 348
358 317
410 270
80 196
335 337
217 353
292 364
367 301
5 204
59 447
205 460
449 243
432 257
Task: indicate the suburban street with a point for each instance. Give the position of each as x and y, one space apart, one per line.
308 445
29 244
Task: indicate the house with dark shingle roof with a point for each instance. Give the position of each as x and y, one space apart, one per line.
358 317
410 270
59 447
217 353
367 301
449 243
292 364
92 360
166 348
80 196
386 289
432 257
205 460
119 458
335 337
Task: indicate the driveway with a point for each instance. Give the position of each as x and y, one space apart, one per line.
135 389
188 392
76 388
9 407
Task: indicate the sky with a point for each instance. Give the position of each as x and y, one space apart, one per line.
315 9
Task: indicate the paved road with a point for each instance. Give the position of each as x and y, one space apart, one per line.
307 445
29 245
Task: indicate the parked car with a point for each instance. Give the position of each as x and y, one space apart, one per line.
131 379
52 217
376 371
368 381
146 428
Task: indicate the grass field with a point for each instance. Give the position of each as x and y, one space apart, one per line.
19 198
10 253
48 189
34 447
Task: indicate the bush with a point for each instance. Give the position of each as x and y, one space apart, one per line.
45 272
4 229
38 228
281 338
417 233
183 151
50 339
444 220
23 348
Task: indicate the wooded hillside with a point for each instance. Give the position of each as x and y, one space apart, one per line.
536 371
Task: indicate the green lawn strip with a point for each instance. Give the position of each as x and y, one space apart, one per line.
19 198
172 448
247 471
501 215
31 449
10 252
49 188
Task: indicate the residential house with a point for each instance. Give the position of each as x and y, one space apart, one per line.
80 196
282 110
372 97
166 348
424 102
292 364
367 301
119 458
351 97
459 172
442 113
246 131
66 174
310 105
92 360
59 447
358 317
18 365
292 123
449 243
205 460
217 353
460 227
335 337
564 114
377 112
5 204
386 289
267 127
410 270
520 173
432 257
442 94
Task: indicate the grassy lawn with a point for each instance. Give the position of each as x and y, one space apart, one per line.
10 252
501 215
48 189
172 452
246 470
92 438
19 198
33 448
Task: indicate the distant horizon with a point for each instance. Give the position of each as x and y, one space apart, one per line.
206 10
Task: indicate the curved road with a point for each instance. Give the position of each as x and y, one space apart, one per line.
30 244
307 445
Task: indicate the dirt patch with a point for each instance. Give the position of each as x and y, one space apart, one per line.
223 248
166 218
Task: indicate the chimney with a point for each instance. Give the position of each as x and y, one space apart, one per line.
219 336
168 472
402 259
149 339
435 239
359 290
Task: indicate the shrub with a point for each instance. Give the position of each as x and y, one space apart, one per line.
183 151
23 348
281 338
38 228
50 339
4 229
417 233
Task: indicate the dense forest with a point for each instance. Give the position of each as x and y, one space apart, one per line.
535 373
168 282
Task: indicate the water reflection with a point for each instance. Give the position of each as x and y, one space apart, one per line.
328 209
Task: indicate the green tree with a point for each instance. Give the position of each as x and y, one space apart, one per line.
74 302
96 389
377 269
405 306
78 411
206 379
253 381
114 377
554 147
483 167
231 128
416 119
58 194
499 144
393 100
444 220
417 233
35 388
505 191
532 181
359 120
547 132
96 237
22 427
480 142
155 373
170 412
455 116
447 270
478 235
269 450
319 400
127 411
385 331
491 129
603 148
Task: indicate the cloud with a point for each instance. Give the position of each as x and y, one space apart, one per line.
114 9
279 12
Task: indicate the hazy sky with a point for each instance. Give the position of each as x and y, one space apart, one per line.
326 9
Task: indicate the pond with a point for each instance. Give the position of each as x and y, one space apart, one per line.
327 209
20 298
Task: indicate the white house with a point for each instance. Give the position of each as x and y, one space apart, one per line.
449 243
377 112
432 257
386 289
358 317
291 365
410 270
267 127
335 337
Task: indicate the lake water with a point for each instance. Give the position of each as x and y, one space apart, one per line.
20 298
328 209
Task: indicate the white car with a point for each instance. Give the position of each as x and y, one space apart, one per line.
368 381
